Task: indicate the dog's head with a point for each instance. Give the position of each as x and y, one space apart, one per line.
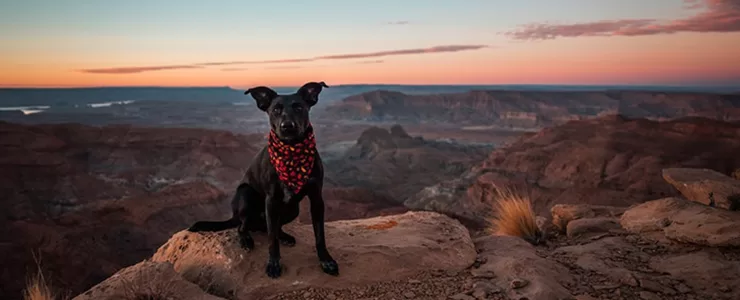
288 113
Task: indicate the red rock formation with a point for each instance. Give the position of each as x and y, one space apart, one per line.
530 109
606 161
91 200
396 165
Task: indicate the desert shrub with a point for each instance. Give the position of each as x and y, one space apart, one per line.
37 285
37 288
513 216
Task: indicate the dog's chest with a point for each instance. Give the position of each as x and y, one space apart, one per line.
291 197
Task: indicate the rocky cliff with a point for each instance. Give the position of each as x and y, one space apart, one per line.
89 200
531 109
390 162
667 248
611 160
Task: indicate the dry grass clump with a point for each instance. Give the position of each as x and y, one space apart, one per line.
37 288
514 216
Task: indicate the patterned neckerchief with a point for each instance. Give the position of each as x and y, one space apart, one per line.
293 162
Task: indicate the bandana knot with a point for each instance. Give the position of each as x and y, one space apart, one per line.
293 162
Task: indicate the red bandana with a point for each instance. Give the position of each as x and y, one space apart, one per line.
293 163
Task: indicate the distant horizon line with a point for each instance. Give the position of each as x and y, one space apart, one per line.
735 86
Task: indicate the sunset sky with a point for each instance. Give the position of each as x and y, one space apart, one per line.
286 43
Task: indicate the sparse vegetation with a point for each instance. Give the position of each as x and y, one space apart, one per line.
37 288
514 216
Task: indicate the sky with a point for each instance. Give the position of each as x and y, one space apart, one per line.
287 43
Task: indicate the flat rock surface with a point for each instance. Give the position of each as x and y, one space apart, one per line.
512 268
589 227
367 251
707 272
146 280
422 255
685 221
635 267
697 184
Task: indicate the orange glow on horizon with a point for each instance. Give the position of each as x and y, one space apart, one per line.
609 60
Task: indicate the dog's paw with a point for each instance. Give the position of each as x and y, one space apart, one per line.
246 242
286 239
330 267
273 269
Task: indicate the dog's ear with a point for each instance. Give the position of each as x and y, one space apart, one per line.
310 92
263 95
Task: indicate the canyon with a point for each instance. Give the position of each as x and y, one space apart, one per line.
91 191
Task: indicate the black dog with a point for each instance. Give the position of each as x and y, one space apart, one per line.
286 170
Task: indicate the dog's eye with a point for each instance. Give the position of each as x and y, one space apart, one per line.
297 108
277 109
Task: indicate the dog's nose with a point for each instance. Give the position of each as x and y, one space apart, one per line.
287 125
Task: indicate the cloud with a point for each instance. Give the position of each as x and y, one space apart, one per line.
398 23
436 49
275 61
223 63
130 70
712 16
365 62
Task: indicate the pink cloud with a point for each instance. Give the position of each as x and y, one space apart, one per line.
223 63
713 16
365 62
436 49
131 70
398 23
275 61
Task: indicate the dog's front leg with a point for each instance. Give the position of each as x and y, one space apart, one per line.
272 216
328 265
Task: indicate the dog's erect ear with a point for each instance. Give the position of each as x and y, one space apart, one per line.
310 92
263 95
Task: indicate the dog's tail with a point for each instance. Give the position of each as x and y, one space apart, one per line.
214 225
222 225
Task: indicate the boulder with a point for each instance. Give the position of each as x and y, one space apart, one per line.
512 267
705 186
562 214
367 251
684 221
146 280
590 227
